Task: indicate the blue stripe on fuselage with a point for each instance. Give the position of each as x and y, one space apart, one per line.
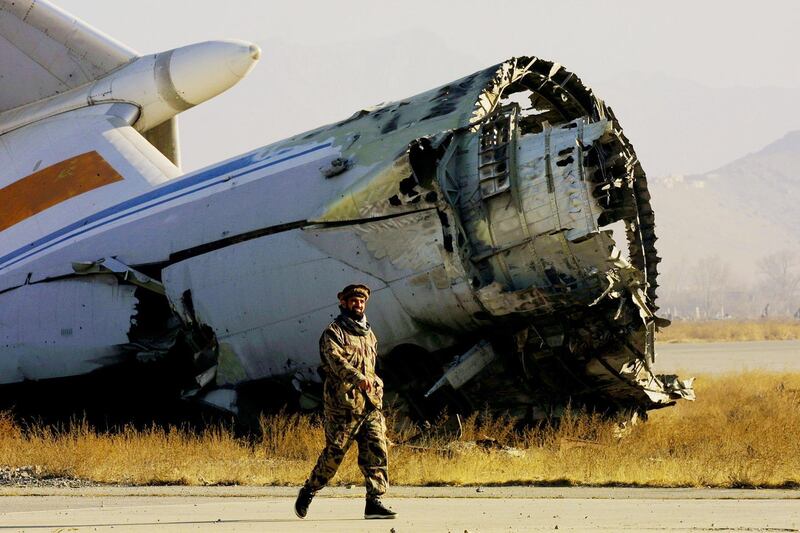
101 218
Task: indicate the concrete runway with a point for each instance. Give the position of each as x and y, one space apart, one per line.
725 357
421 509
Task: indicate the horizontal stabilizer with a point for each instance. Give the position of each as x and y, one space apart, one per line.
47 51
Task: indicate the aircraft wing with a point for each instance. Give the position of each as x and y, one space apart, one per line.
46 51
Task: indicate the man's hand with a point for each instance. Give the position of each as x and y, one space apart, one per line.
364 385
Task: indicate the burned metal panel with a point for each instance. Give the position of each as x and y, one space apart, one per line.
64 328
553 186
557 169
531 185
387 190
541 200
554 273
557 97
379 134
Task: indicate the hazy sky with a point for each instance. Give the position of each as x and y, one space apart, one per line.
683 76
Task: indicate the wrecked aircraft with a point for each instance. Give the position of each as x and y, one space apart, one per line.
479 213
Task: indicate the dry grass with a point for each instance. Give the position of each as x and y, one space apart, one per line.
740 433
730 330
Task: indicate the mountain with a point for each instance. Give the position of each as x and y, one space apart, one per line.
740 213
682 126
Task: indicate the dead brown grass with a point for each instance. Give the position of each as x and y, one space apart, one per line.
730 330
740 433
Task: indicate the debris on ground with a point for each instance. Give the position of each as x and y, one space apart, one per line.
34 476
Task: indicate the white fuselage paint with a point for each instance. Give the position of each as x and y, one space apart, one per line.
267 299
150 216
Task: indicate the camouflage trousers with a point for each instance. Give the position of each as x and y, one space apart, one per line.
373 458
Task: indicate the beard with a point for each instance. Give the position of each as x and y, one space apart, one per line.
351 313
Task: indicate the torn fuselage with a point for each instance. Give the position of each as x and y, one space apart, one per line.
477 213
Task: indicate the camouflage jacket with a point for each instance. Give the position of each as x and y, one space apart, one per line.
348 357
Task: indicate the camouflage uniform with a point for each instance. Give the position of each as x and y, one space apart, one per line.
348 352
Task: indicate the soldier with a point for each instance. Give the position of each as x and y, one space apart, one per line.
353 396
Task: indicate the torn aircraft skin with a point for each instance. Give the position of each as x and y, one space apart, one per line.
478 213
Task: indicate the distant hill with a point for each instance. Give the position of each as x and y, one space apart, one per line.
740 212
681 126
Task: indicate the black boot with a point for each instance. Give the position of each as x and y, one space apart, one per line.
376 509
302 502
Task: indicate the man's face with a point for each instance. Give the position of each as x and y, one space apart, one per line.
356 305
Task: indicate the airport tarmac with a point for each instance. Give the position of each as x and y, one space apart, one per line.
454 509
726 357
